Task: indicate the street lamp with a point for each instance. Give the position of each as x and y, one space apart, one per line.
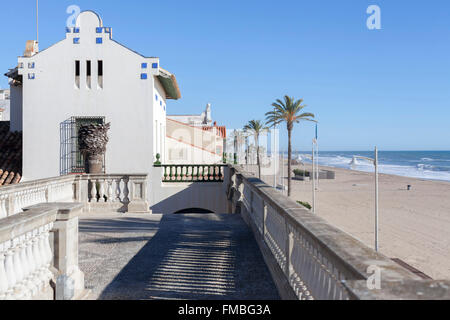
312 175
375 163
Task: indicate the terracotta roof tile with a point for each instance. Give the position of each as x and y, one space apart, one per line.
10 155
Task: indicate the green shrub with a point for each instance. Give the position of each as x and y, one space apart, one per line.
305 204
299 172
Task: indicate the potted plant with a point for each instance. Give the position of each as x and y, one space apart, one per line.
92 141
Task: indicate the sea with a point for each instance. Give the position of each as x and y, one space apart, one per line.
427 165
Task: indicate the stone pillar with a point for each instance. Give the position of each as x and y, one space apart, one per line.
69 278
138 196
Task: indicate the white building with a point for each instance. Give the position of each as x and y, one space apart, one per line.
197 120
4 104
194 139
89 77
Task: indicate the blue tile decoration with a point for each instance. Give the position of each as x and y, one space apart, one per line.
143 76
31 65
99 30
76 40
144 66
99 40
31 76
155 66
76 30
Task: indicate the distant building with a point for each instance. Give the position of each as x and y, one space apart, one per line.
194 139
201 120
4 104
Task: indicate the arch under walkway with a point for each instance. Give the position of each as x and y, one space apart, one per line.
189 256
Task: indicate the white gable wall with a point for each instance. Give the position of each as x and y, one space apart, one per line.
126 101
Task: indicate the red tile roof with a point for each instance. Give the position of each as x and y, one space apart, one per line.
10 155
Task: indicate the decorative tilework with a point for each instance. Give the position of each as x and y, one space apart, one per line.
144 66
99 40
99 30
143 76
155 66
76 30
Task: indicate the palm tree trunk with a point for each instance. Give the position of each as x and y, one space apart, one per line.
289 160
258 162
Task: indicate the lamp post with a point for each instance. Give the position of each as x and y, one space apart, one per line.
312 176
375 163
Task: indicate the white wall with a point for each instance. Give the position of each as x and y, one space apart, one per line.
168 198
126 101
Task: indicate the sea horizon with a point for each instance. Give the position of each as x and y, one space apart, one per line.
427 165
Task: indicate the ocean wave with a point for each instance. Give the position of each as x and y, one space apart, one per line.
427 169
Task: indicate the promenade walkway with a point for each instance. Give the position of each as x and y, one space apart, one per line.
194 256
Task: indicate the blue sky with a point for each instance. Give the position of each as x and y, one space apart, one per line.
388 87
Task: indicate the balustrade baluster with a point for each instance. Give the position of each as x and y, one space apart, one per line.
3 277
165 173
18 269
109 190
25 266
118 191
47 252
93 184
37 259
101 190
126 190
9 268
30 262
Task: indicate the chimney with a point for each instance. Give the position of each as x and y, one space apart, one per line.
31 48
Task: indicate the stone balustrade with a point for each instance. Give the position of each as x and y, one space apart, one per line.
113 192
14 198
123 193
192 172
29 260
310 259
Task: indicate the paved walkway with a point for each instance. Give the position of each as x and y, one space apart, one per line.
195 256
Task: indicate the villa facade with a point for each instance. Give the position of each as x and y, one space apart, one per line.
80 80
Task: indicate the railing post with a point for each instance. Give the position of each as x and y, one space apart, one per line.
69 277
138 195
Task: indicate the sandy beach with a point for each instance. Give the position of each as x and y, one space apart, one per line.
414 225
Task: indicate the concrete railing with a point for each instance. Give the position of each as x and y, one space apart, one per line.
310 259
192 172
14 198
39 254
113 192
124 193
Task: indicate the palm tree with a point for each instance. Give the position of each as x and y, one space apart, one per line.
256 128
288 111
